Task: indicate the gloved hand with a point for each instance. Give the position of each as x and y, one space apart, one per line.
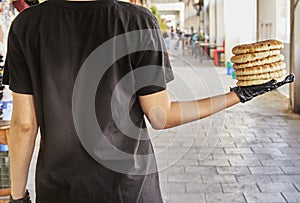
25 199
249 92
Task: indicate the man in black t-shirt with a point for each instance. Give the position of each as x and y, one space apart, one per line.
75 74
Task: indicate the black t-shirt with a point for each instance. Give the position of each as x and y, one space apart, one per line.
49 46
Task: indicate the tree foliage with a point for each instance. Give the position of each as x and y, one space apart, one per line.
162 22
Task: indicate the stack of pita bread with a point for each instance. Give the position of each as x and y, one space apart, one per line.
258 63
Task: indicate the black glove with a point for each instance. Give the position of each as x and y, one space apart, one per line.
248 92
25 199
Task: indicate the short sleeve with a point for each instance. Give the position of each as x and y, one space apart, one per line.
155 68
16 72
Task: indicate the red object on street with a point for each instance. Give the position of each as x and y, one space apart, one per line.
20 5
217 54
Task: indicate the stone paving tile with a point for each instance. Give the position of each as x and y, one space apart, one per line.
264 197
236 139
259 139
292 197
257 129
285 178
291 170
290 150
277 187
171 169
184 162
256 156
225 198
242 134
227 156
262 150
232 170
203 187
215 150
251 162
168 155
276 145
217 162
196 156
285 156
283 140
277 163
238 151
160 143
219 179
253 179
296 162
294 144
186 177
245 145
297 185
204 170
184 197
163 177
226 144
162 162
225 134
265 170
239 188
181 150
173 187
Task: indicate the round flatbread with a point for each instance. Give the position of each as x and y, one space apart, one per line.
266 45
261 69
243 83
268 60
262 76
244 58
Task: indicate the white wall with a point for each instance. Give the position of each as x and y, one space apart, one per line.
240 23
283 20
267 19
274 20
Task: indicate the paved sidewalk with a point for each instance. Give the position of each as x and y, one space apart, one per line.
248 153
255 147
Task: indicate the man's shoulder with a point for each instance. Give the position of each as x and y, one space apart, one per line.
31 14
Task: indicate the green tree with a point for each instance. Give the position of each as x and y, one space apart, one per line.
162 22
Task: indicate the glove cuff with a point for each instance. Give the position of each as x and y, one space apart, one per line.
237 92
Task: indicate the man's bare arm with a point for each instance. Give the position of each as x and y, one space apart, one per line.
23 131
162 113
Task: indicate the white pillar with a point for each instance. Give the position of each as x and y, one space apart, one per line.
296 60
212 21
220 36
240 23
